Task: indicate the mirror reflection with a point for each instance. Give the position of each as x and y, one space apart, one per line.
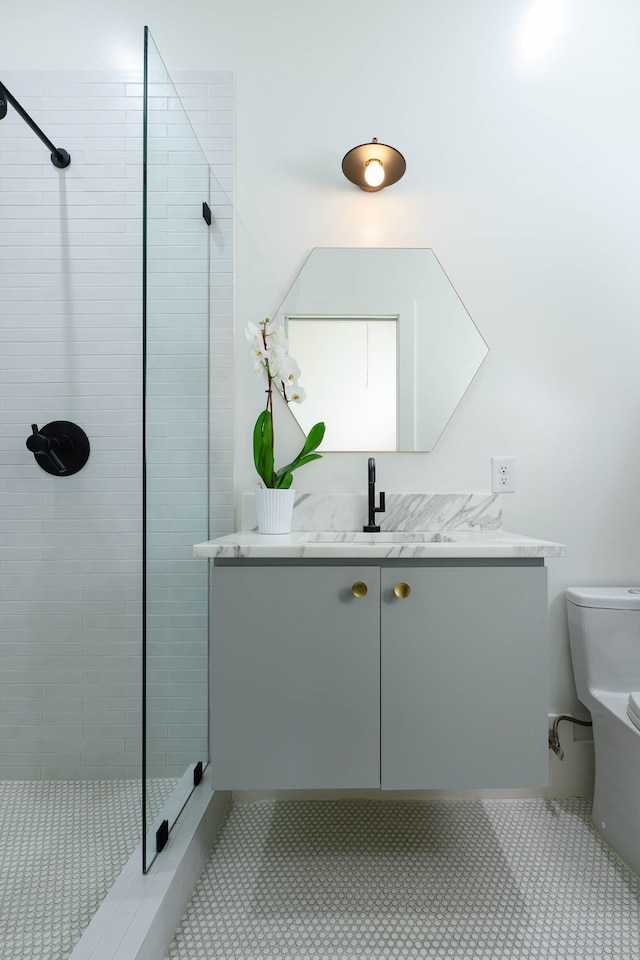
386 347
360 352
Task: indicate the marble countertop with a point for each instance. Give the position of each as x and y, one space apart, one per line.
406 545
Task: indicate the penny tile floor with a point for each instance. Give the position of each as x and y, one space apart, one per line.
355 879
62 844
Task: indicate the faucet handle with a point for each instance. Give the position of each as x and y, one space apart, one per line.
382 507
60 447
46 447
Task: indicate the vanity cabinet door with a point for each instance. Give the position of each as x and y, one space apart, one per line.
295 677
464 678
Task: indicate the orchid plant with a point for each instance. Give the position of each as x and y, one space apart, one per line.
269 350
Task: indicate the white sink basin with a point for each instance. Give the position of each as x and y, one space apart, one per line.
409 536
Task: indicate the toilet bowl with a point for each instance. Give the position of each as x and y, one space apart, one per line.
604 635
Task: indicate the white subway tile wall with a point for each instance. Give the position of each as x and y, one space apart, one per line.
71 349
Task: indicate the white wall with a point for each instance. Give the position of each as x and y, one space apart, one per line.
521 174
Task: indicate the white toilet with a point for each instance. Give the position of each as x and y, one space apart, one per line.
604 632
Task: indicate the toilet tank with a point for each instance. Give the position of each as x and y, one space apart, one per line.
604 634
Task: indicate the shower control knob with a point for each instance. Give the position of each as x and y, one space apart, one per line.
37 443
60 447
47 447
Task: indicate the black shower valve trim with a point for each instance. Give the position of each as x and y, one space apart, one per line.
60 447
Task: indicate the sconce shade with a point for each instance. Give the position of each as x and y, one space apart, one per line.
379 155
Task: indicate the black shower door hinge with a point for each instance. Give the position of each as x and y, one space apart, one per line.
206 213
197 773
162 835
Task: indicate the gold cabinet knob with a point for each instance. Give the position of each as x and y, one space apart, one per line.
402 590
359 589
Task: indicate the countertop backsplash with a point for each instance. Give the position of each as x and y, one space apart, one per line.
404 511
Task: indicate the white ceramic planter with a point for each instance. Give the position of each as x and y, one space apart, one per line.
274 509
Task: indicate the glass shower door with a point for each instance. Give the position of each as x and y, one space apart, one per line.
176 457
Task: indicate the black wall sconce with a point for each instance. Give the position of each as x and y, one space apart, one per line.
373 166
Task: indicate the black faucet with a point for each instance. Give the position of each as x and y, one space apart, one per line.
372 526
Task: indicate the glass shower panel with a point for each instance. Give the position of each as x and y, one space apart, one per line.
176 483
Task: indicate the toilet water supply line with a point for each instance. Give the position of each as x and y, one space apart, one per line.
554 739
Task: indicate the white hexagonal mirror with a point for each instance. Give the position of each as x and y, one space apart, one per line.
386 347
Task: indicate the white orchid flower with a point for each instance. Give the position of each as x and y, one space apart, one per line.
278 342
279 363
272 328
258 353
296 393
289 371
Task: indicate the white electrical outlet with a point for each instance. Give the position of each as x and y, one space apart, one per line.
503 474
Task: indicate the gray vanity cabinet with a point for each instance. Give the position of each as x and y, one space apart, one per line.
464 677
314 686
295 677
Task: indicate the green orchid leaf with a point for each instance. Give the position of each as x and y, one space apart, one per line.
299 461
263 448
284 482
268 475
305 456
258 445
314 438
